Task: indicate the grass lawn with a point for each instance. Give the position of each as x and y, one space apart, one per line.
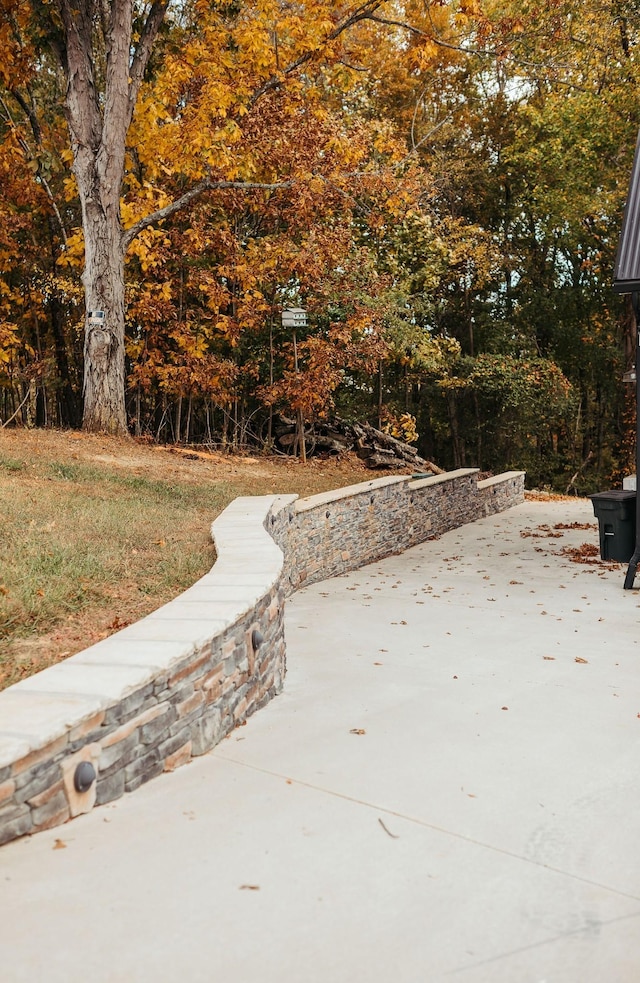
97 532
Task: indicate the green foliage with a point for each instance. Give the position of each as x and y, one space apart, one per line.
533 391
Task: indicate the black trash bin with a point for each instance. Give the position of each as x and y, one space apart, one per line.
616 515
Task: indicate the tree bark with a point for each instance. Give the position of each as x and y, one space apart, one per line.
98 123
104 350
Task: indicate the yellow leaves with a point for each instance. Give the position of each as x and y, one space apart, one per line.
402 427
316 185
9 341
73 256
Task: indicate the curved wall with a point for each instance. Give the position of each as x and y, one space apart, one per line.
171 686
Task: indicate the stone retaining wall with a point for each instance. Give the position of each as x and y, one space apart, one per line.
174 684
336 531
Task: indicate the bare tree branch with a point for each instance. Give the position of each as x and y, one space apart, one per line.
30 154
364 12
196 192
143 49
433 37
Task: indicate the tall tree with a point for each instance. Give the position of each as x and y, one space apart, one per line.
104 50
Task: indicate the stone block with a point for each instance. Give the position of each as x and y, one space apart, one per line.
174 743
118 754
44 797
240 711
52 812
7 789
194 667
178 758
142 770
15 821
206 732
130 705
120 733
42 755
33 783
110 788
188 706
177 693
212 680
152 732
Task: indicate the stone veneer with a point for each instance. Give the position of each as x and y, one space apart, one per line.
171 686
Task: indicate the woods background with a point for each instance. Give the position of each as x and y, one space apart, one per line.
440 185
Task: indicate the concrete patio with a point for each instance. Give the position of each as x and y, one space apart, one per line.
447 789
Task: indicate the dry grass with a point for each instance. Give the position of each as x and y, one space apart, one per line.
98 532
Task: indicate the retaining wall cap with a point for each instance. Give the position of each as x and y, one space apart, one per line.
499 479
213 593
197 632
12 749
254 505
439 479
107 684
215 580
31 720
115 651
242 526
219 614
281 502
350 491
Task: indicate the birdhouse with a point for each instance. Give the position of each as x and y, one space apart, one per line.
294 317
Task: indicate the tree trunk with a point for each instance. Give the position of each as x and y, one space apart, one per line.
458 444
104 365
99 108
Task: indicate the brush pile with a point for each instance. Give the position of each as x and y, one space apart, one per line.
375 448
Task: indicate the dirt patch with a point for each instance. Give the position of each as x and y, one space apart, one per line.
276 474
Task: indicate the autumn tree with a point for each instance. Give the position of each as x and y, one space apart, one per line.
525 117
224 61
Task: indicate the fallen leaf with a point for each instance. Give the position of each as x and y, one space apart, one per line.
61 845
578 659
249 887
504 708
549 658
119 623
357 730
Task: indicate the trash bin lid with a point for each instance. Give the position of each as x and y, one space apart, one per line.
616 495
